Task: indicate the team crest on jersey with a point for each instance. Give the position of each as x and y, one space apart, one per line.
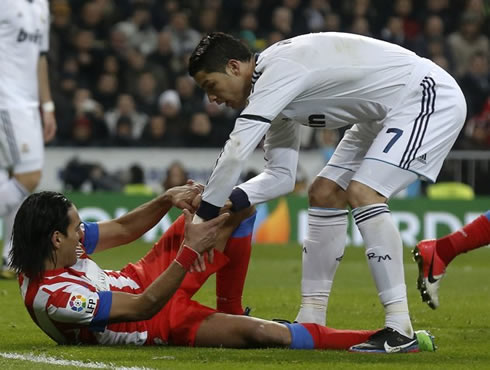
78 303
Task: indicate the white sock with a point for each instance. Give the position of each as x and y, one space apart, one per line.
323 250
12 193
384 252
8 226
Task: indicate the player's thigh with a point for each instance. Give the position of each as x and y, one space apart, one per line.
21 140
236 331
418 135
349 154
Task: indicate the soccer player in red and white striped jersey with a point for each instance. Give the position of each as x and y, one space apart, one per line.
74 301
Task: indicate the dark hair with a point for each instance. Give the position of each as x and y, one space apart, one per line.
214 51
39 216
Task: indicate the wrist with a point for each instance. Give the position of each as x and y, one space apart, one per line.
186 257
239 200
48 106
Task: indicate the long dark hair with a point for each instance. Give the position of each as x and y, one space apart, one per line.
39 216
214 51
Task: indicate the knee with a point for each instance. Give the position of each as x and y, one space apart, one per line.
359 195
264 334
326 193
29 180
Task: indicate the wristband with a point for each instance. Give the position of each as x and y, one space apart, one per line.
186 257
48 106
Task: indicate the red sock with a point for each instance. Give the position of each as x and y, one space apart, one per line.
328 338
230 279
474 235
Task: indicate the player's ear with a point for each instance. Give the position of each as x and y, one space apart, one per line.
56 239
234 67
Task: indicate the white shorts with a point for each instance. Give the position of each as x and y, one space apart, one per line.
412 141
21 140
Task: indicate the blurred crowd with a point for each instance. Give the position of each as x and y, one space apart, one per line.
119 67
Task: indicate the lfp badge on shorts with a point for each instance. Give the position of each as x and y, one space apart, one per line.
78 302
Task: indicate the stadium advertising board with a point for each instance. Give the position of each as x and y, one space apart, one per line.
285 219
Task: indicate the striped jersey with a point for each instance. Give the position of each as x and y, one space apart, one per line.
72 305
24 34
322 80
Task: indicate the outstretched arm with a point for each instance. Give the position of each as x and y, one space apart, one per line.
135 223
134 307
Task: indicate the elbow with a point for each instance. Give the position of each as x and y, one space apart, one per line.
145 308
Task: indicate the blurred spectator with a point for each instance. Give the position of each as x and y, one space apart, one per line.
170 107
107 90
135 184
87 56
432 43
123 136
404 10
92 18
138 29
208 21
126 108
282 21
477 130
88 125
393 31
467 41
199 134
190 99
332 22
315 15
184 37
360 26
155 133
146 96
476 83
176 176
164 58
327 141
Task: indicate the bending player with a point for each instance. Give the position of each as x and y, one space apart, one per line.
434 255
405 111
74 301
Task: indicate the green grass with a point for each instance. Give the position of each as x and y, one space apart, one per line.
461 325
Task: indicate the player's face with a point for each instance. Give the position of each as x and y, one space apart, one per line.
231 88
72 239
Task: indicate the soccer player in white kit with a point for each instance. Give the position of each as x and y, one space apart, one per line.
24 84
405 112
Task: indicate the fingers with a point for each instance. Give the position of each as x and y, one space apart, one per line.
196 201
211 256
188 216
218 221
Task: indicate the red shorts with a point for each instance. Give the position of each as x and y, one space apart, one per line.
177 323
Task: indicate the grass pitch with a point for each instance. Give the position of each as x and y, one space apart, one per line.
461 325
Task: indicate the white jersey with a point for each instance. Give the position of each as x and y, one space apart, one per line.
319 80
24 34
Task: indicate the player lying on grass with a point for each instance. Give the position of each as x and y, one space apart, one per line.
433 256
74 301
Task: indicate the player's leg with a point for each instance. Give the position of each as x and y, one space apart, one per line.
324 244
231 331
433 256
414 141
230 279
23 152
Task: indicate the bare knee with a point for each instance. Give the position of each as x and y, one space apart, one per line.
30 180
269 334
359 195
326 193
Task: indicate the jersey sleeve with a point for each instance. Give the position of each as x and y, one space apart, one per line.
275 84
281 147
91 236
79 306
